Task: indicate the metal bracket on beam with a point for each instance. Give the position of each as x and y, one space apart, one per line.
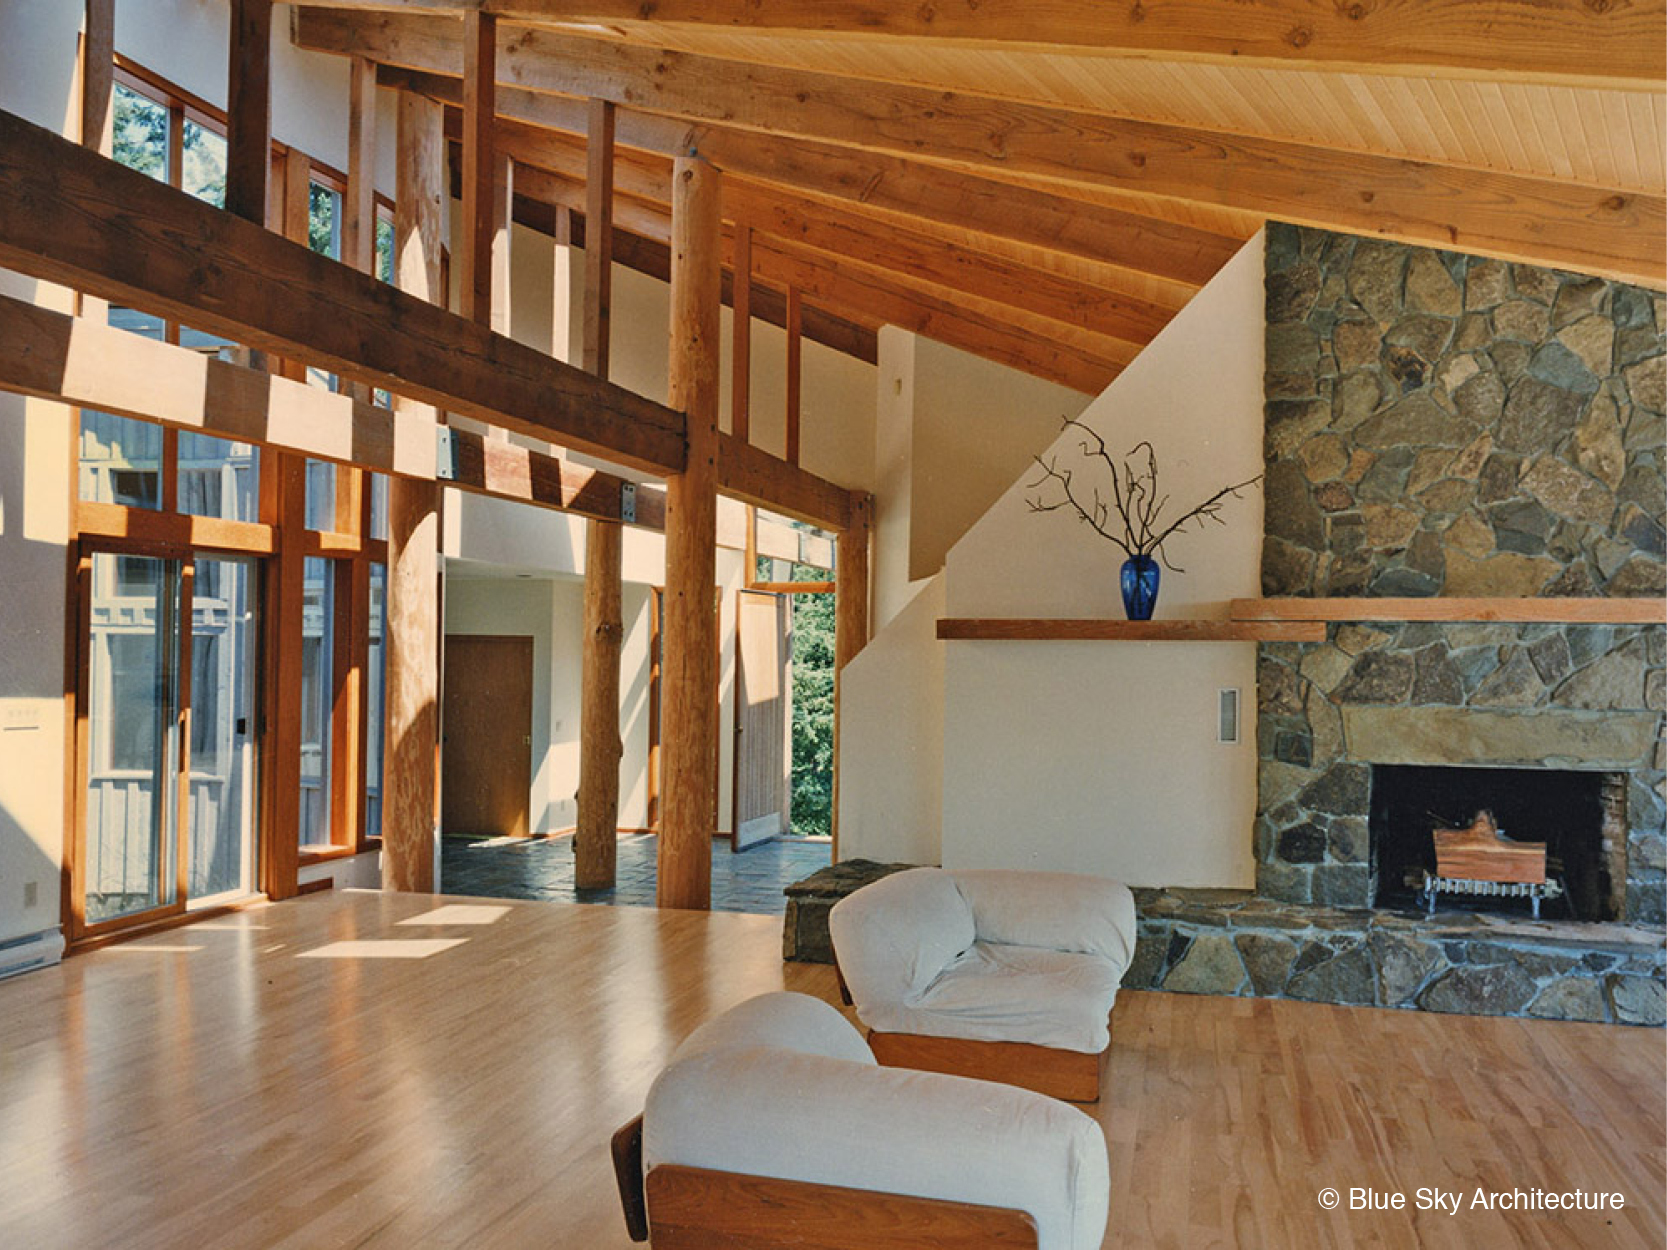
628 503
445 454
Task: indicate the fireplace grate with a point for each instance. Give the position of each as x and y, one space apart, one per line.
1534 891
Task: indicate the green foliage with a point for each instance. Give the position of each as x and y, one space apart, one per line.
323 218
140 133
813 708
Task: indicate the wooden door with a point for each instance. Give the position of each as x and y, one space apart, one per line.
486 735
763 717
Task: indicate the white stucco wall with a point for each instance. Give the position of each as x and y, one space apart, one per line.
1102 756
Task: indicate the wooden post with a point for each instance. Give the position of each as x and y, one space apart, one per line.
795 362
98 64
689 728
596 827
410 776
850 616
359 203
249 109
480 165
740 382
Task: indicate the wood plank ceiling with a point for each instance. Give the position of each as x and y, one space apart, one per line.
1046 182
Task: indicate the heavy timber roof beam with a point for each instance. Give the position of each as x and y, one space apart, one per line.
843 232
71 216
1572 41
410 60
1594 229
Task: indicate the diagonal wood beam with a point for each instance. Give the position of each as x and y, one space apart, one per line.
1083 362
830 228
75 361
1567 41
1558 40
1592 229
1094 232
73 217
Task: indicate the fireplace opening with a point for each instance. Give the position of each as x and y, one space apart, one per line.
1580 816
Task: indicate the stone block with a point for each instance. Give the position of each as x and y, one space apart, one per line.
1343 885
1146 968
1347 979
1416 421
1515 683
1537 416
1404 964
1636 1000
1342 790
1268 959
1377 677
1507 575
1289 883
1480 990
1210 966
1614 681
1571 998
1400 735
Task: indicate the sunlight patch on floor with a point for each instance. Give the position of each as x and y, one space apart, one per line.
394 948
460 914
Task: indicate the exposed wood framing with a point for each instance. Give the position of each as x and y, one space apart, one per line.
951 197
1557 40
595 837
481 223
411 769
689 727
542 203
73 217
851 617
1079 359
1019 629
97 127
249 109
78 361
795 379
359 204
1594 229
285 636
740 373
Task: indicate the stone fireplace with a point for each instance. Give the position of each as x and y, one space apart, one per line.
1445 426
1535 698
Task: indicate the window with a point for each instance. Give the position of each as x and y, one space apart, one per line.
318 630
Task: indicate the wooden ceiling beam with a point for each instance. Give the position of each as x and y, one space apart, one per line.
1546 221
537 206
1081 360
71 216
1565 41
1568 41
773 210
72 360
1105 235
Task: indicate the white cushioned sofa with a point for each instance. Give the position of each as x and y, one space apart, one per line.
1005 975
775 1117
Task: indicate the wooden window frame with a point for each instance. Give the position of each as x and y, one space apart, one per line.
348 546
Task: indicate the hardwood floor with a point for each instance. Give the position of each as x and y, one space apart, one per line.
225 1084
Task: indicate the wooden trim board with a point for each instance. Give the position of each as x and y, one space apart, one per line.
1576 611
1068 1074
1021 629
699 1209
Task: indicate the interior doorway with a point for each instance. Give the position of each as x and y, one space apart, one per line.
763 757
486 735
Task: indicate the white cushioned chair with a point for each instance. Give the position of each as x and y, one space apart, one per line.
1004 975
773 1125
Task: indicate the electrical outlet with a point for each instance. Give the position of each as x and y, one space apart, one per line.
31 893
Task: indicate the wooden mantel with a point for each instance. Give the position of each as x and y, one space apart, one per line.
965 629
1514 611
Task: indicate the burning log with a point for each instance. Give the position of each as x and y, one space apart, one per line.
1481 852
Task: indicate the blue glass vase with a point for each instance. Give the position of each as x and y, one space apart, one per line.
1140 587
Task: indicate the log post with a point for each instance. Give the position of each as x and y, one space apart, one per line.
410 785
850 616
740 379
98 65
795 364
596 827
481 171
249 109
689 730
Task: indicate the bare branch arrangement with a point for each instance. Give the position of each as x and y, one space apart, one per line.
1132 518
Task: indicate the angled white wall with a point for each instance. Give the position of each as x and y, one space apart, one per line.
1103 757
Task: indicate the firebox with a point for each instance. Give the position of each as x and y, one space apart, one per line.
1579 815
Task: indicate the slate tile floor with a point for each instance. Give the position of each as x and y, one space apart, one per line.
542 868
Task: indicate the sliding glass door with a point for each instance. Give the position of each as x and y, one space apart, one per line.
168 684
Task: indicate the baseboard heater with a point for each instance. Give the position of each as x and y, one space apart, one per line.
25 954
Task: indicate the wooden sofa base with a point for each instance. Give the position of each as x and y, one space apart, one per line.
698 1209
1067 1074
